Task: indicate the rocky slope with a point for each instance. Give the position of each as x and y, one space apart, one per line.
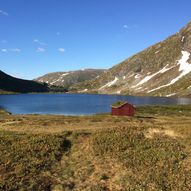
163 69
67 79
12 84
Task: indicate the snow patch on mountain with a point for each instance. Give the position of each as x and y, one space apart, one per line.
54 82
139 88
109 84
83 91
185 67
157 52
60 79
137 76
131 75
65 74
147 78
118 92
169 95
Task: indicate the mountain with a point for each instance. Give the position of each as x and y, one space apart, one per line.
163 69
67 79
12 84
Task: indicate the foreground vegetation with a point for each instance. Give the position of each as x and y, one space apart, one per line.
150 151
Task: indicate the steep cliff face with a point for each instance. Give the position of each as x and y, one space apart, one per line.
11 84
163 69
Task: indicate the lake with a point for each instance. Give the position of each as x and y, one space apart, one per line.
75 104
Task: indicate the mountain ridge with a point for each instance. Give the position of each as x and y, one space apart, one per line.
163 69
151 71
12 84
69 78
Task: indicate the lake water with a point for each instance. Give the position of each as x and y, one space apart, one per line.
75 104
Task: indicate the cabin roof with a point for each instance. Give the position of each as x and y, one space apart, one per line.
120 105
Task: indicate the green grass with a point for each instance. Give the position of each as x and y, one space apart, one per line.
118 103
164 110
6 92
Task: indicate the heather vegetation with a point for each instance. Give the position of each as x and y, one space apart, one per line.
27 160
150 151
151 164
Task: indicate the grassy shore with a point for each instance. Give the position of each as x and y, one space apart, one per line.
150 151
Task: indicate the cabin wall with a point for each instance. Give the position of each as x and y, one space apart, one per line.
127 110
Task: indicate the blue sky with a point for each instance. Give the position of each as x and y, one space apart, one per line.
42 36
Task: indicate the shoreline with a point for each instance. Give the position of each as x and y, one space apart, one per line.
144 109
89 93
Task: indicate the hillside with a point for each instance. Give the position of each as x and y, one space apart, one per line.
12 84
67 79
163 69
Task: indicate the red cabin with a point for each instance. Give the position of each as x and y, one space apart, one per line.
123 109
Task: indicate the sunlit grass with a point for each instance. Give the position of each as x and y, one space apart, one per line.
150 151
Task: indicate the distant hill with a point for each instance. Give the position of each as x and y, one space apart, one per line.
12 84
67 79
163 69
